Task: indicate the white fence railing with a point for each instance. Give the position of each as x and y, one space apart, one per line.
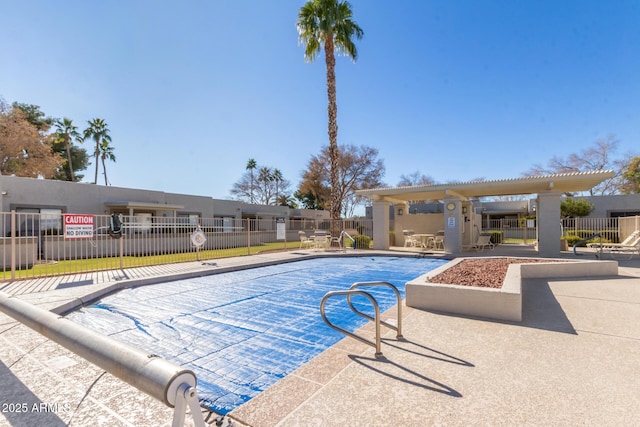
612 229
35 245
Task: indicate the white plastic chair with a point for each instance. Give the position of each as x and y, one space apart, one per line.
305 241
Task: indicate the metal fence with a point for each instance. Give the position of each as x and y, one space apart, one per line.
507 230
37 244
524 230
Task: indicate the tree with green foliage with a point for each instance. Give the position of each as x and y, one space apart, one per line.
65 130
573 208
329 24
261 189
106 153
79 161
99 132
631 177
277 178
308 200
35 116
286 200
251 166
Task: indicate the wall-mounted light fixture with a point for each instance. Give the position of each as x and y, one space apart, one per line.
464 209
400 211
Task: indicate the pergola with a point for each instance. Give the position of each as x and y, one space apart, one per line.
549 189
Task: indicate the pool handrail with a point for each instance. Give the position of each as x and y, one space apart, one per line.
376 308
593 236
344 233
169 383
398 326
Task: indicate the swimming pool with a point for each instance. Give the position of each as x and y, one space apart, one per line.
242 331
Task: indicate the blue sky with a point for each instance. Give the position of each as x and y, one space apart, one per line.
456 90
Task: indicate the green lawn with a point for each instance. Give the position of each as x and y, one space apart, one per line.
112 263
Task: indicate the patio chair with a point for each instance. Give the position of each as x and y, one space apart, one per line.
409 239
484 240
438 240
305 241
321 239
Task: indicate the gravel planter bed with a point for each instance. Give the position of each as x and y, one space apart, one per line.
481 272
491 287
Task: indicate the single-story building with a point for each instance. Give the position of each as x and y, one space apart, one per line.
54 197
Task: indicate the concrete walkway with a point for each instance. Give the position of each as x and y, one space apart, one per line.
573 360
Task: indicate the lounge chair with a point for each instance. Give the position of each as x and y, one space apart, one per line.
484 240
629 240
622 249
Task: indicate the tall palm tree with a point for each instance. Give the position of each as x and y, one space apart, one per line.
329 24
65 130
99 132
106 152
265 176
251 166
277 178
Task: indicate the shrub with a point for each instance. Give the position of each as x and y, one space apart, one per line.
362 242
573 239
496 236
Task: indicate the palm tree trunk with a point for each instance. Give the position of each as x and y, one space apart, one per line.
251 189
68 147
104 168
332 111
95 180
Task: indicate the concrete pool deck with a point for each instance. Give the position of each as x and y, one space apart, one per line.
574 359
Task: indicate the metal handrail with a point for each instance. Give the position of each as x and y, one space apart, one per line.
599 251
398 326
344 233
376 319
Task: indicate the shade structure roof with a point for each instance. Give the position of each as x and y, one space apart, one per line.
556 183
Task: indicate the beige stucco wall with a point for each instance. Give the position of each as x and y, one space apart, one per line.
420 223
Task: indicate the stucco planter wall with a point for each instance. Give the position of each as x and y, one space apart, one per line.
499 304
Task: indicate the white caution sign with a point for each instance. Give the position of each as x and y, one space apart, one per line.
78 226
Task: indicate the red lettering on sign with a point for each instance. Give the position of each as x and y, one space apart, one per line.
78 219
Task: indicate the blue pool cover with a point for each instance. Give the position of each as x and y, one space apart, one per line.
240 332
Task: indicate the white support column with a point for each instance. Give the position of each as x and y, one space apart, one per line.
548 218
452 226
380 210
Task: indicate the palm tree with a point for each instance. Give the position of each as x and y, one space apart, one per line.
265 176
106 152
277 178
251 166
65 130
329 23
99 132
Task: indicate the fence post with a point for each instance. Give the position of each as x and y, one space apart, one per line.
248 236
121 245
13 245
